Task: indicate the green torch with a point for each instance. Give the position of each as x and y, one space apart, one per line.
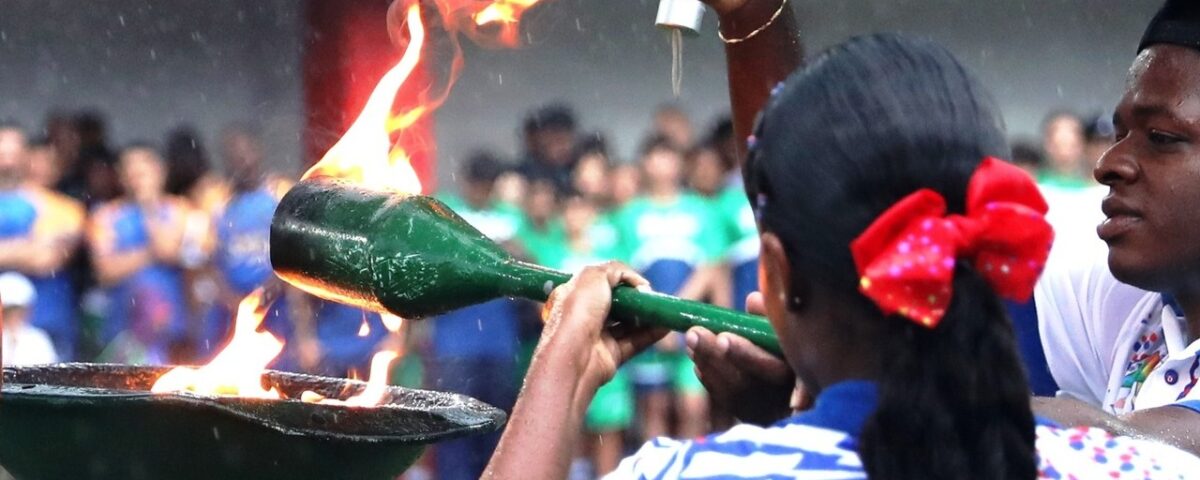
412 256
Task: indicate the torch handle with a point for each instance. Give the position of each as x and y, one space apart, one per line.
651 308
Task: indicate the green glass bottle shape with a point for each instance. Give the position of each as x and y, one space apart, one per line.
412 256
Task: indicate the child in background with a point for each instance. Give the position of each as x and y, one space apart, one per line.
40 232
590 178
24 344
611 411
671 237
136 242
475 349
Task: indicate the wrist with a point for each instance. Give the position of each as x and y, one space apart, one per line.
743 20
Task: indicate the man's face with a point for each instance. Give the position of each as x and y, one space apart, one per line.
12 156
1153 173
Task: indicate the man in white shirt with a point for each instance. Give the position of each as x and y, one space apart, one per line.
24 344
1123 347
1113 332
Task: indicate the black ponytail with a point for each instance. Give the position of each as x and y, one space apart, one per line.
954 401
862 126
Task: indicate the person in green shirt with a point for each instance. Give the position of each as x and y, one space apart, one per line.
475 350
539 229
611 411
1063 140
672 237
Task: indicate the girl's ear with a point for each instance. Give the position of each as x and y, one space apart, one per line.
776 277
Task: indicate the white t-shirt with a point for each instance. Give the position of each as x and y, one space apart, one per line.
1106 343
27 345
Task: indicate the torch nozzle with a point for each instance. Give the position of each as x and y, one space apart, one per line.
685 15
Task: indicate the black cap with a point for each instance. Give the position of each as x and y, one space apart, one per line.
1177 23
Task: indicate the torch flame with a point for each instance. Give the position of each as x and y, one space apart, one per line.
365 156
237 369
506 13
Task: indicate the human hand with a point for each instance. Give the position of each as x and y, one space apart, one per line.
756 386
575 333
725 6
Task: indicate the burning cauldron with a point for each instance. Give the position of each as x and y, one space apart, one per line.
76 421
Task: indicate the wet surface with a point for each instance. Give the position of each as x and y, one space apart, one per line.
407 414
101 422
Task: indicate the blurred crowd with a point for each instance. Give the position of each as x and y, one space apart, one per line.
141 254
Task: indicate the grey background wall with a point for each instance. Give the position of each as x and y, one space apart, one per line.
152 64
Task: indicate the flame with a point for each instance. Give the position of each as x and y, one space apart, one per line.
377 382
367 156
364 329
237 369
506 13
392 322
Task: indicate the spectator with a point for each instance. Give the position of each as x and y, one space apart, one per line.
549 136
673 239
611 411
40 231
474 349
721 138
45 165
671 123
24 344
540 227
97 159
591 175
136 243
1062 139
241 258
1099 134
63 135
1028 156
626 184
189 173
706 171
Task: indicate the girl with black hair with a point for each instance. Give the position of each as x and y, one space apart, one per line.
889 235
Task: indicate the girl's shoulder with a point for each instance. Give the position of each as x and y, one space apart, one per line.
783 450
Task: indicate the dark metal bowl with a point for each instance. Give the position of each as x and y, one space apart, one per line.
89 421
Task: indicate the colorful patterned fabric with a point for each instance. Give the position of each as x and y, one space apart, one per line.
1112 345
820 444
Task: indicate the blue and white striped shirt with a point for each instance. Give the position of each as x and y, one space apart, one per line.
820 444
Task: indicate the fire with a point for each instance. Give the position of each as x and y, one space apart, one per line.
367 156
506 13
237 369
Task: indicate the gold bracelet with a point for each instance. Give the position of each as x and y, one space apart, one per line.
770 21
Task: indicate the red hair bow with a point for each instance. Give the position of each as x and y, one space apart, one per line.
906 258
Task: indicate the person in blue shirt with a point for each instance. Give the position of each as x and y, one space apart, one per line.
40 232
475 349
136 243
241 254
889 235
